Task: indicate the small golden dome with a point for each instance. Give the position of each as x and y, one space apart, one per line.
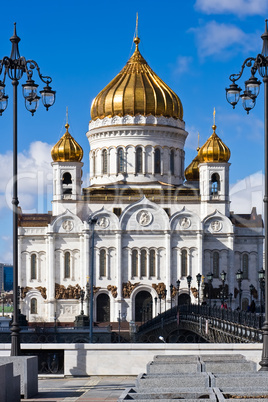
214 150
67 149
191 173
136 90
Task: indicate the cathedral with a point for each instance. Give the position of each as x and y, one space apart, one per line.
146 232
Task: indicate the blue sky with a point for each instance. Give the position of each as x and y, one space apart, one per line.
192 45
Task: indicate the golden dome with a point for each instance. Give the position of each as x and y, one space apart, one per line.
191 173
136 90
214 150
67 149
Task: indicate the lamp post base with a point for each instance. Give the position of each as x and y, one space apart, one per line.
264 359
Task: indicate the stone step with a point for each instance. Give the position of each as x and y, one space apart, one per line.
229 366
207 395
173 380
240 380
172 367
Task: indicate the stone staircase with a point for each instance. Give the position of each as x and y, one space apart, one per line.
214 378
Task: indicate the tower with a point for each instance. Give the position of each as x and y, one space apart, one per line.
67 173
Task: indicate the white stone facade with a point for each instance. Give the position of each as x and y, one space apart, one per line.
151 231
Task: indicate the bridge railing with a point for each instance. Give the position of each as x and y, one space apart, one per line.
248 319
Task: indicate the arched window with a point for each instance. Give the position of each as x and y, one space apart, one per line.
67 178
215 184
104 161
152 263
184 263
33 267
216 264
134 263
103 262
245 266
172 162
33 306
139 160
157 161
67 265
120 160
143 263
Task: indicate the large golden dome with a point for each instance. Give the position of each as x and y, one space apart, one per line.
136 90
214 150
191 173
67 149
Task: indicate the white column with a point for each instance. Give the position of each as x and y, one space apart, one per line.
153 163
119 262
82 266
129 264
143 160
200 253
72 267
50 277
179 264
157 259
148 263
230 264
139 264
168 261
162 161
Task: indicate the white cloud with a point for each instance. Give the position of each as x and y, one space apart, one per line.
34 178
248 193
237 7
183 64
214 39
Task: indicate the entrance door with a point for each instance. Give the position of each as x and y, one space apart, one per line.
103 308
183 298
143 306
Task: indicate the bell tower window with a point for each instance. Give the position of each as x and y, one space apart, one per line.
215 184
67 183
157 161
104 161
139 160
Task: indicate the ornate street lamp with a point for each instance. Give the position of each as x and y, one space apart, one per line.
82 296
223 278
189 280
252 88
14 67
178 283
198 280
210 279
239 278
261 275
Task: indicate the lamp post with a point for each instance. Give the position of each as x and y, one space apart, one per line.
189 280
178 283
198 280
82 296
155 302
14 67
239 278
160 298
171 291
88 296
92 221
252 87
223 278
261 275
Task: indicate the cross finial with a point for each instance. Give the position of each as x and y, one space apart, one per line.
66 114
198 138
137 21
214 115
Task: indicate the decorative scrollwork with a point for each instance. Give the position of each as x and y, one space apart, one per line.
160 289
71 292
43 291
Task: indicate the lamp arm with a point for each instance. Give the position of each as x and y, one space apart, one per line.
247 63
30 65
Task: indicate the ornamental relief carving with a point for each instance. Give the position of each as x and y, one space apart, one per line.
113 290
26 289
138 119
71 292
128 288
160 289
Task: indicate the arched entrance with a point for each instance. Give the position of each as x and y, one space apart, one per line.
143 306
103 308
183 298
